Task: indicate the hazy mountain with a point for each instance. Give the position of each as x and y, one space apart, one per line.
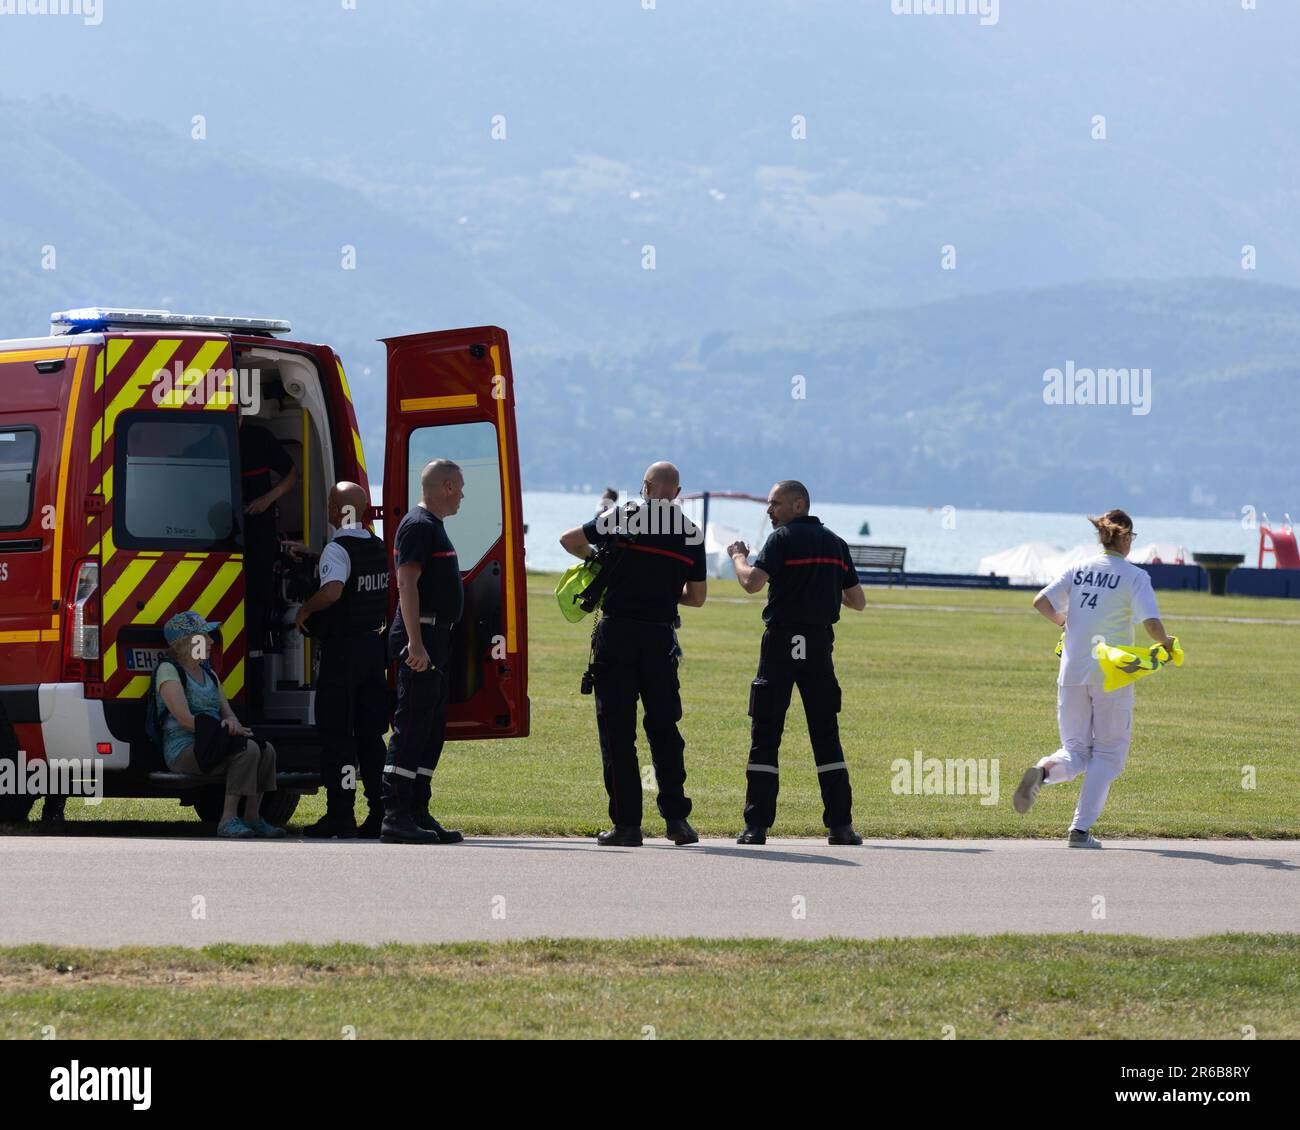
372 128
944 404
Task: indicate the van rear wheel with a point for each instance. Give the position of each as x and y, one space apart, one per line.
277 807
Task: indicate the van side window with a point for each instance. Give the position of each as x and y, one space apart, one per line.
178 481
17 476
477 527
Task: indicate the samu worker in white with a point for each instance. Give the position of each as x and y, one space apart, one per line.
1101 599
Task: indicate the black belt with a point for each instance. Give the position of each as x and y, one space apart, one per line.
634 620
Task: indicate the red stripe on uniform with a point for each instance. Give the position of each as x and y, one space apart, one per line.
817 561
662 552
444 553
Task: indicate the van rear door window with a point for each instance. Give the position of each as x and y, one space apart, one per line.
179 481
17 476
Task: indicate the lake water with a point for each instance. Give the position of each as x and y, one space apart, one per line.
937 541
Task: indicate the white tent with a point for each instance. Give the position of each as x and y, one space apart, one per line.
1165 553
1070 558
1025 564
716 539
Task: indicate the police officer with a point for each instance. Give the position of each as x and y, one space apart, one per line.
810 575
346 614
431 598
260 455
659 562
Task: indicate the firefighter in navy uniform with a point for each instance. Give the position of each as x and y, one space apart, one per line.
810 576
658 562
346 614
431 599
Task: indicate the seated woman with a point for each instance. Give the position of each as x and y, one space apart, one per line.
250 769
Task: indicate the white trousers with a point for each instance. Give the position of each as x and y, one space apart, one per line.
1096 727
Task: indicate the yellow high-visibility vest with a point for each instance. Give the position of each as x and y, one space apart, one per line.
1123 665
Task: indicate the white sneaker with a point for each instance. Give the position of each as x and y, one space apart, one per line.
1082 839
1030 782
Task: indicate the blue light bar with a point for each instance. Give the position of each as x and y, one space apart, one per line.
95 319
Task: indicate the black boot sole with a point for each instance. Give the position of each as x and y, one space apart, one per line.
392 839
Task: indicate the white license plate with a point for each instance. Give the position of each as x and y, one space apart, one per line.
143 658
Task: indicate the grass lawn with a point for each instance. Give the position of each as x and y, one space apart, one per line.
953 674
1058 986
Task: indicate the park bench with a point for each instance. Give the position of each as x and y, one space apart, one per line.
888 557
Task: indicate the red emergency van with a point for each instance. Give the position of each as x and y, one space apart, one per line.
120 505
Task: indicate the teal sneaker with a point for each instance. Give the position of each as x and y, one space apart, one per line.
235 829
265 831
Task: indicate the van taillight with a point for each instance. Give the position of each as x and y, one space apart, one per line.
81 626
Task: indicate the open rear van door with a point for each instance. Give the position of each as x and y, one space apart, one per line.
451 396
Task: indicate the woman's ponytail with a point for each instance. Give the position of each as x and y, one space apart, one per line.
1111 526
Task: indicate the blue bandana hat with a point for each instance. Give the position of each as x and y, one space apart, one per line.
187 624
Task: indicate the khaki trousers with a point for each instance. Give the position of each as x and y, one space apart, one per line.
251 770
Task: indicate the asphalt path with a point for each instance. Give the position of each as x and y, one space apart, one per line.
113 890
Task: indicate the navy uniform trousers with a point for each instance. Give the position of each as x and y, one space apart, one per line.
352 711
634 659
420 720
790 657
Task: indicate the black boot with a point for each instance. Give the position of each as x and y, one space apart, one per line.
621 835
681 832
844 834
421 791
399 826
368 829
338 823
752 834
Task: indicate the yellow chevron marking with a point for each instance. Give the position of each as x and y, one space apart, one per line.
124 586
195 375
137 382
227 394
115 350
108 548
138 687
99 370
361 455
106 486
110 662
216 589
65 453
233 627
158 604
96 438
512 632
428 403
343 379
59 354
233 683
